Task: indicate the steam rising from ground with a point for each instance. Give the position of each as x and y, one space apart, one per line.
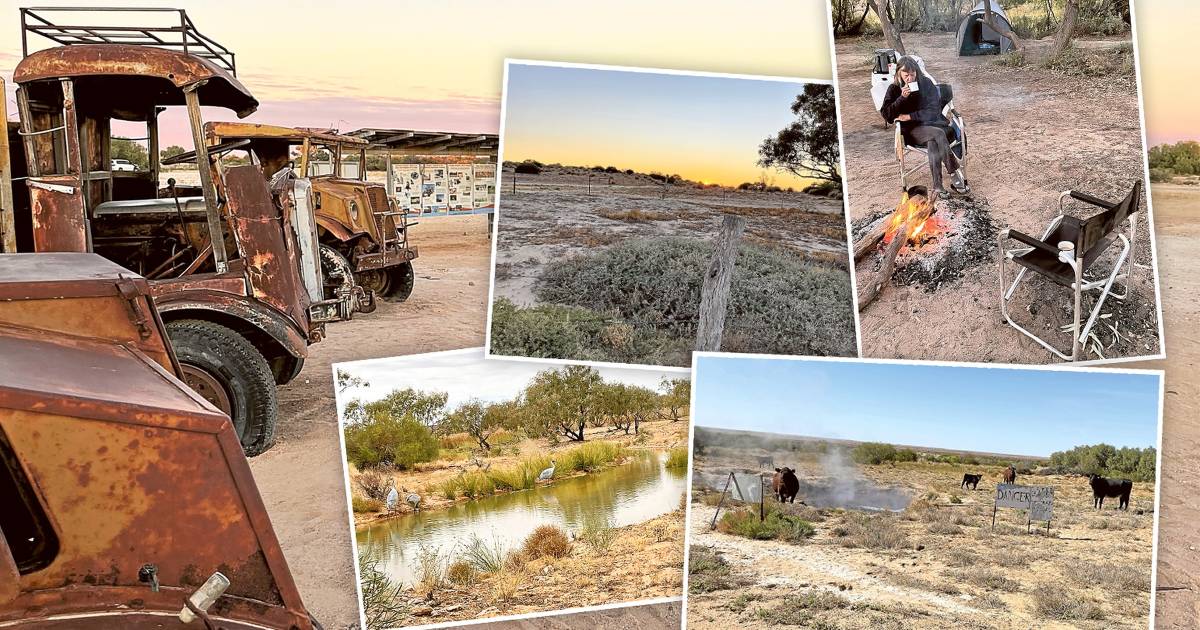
842 487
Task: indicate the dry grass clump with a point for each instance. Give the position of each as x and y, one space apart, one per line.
431 570
461 572
1111 575
636 215
1052 601
505 585
547 541
987 578
362 505
708 571
865 531
943 527
799 609
988 599
921 584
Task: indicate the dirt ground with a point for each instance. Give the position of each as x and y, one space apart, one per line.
300 478
937 563
1178 230
425 479
552 215
1032 133
645 561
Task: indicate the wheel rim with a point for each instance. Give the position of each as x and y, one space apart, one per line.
208 387
377 280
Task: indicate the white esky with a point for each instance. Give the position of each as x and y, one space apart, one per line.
466 374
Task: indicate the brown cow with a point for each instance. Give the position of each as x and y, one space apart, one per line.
785 484
1010 474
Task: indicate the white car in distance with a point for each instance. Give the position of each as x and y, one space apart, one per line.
123 165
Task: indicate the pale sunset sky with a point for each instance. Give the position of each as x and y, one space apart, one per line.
437 65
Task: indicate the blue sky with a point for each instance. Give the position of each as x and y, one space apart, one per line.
704 128
997 410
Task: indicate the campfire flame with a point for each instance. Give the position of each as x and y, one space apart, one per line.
907 211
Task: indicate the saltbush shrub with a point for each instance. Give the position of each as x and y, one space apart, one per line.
778 304
387 440
528 168
546 541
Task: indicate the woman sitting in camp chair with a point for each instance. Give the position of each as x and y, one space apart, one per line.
914 100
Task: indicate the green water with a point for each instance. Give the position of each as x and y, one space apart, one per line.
624 495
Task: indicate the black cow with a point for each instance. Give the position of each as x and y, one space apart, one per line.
785 484
971 480
1104 487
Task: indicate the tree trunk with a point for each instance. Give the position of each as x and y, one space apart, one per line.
1065 30
889 30
989 18
714 295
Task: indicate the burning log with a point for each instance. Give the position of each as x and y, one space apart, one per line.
908 221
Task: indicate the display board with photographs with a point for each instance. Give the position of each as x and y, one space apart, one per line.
437 188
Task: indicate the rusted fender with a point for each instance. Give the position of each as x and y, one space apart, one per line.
174 304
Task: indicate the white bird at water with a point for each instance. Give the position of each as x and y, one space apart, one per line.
392 497
548 473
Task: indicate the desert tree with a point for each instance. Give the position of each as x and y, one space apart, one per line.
425 408
808 147
346 380
628 406
1066 29
567 401
478 420
989 18
890 33
676 397
844 20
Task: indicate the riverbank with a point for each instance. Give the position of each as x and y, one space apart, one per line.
431 480
631 563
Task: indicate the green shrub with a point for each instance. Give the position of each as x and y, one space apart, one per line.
528 167
708 571
1161 174
677 458
776 525
873 453
589 457
1101 62
386 440
824 189
778 304
564 332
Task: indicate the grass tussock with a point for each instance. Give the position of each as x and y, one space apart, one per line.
483 557
523 475
708 571
461 573
547 541
1051 601
776 526
637 216
799 609
876 531
677 458
1121 577
365 506
987 578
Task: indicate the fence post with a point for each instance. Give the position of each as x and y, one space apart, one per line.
714 295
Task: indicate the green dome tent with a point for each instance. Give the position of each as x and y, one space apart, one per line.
977 38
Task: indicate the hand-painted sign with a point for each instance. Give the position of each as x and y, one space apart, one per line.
1039 500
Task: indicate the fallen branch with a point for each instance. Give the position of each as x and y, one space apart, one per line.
899 238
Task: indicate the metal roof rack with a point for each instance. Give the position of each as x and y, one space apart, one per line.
182 37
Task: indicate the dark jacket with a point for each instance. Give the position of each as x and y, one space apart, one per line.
924 106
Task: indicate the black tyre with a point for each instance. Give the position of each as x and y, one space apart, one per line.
228 371
402 280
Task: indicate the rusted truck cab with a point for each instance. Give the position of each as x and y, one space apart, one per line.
123 491
227 264
359 226
282 151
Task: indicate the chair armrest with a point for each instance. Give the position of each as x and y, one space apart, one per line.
1095 201
1030 241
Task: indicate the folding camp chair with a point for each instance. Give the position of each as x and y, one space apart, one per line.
1057 257
957 135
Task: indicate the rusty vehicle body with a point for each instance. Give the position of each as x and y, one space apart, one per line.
230 265
357 222
116 511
